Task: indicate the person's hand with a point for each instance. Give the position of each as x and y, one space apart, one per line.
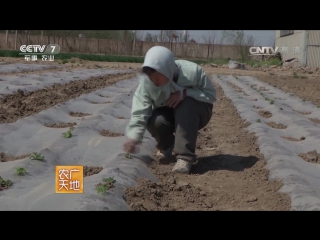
130 146
175 98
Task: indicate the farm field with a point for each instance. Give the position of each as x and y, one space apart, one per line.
259 152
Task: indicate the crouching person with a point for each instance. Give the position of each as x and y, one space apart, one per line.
173 101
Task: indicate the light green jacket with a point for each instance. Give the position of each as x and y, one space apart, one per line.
148 97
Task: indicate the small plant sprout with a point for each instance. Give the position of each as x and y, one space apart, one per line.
106 185
68 134
4 183
128 156
101 188
36 156
258 120
21 171
272 102
110 181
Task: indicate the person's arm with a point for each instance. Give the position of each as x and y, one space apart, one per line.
140 113
201 87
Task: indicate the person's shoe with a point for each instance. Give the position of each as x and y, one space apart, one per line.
165 153
182 166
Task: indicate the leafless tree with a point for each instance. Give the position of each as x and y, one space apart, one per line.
151 37
210 40
272 42
220 44
240 42
171 35
139 35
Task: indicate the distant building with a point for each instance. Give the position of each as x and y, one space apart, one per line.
301 44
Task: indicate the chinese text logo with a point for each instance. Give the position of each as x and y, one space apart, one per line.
257 51
69 179
31 52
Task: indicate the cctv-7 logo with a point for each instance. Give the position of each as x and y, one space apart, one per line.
53 47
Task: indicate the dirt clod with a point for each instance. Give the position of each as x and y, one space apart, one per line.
312 156
315 120
276 125
303 113
88 171
293 139
78 114
61 125
107 133
265 114
6 158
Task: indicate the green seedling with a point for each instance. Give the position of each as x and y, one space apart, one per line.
36 156
272 102
267 99
295 75
258 120
68 134
128 156
21 171
271 73
109 181
106 185
101 188
4 183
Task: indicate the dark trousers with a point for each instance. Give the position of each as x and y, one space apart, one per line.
179 126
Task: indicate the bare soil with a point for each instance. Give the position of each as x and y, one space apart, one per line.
6 158
230 173
303 113
294 139
79 114
88 171
265 114
100 102
22 104
276 125
315 120
61 125
107 133
312 156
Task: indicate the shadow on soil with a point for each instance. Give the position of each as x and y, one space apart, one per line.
223 162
